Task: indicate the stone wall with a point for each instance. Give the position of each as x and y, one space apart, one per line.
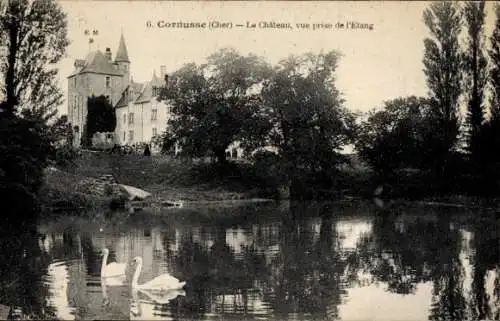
105 186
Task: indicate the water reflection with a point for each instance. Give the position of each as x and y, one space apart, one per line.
302 261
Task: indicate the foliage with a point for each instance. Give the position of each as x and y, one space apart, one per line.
475 67
35 33
443 63
269 172
23 155
491 129
101 117
398 136
216 103
309 123
494 74
35 36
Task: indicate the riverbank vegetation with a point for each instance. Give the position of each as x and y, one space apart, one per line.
414 146
289 119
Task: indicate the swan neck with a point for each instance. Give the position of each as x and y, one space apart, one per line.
135 278
103 288
104 261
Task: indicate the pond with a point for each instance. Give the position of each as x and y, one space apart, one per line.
273 261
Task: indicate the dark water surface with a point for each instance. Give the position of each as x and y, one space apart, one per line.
263 262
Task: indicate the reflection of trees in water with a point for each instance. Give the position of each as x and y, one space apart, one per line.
304 276
399 255
297 265
402 253
92 258
448 301
307 273
22 266
486 258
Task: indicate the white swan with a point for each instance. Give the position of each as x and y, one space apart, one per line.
164 282
160 297
112 269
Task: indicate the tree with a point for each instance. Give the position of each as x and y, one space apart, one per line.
494 74
35 35
101 117
216 104
475 67
398 136
443 66
35 38
310 125
491 128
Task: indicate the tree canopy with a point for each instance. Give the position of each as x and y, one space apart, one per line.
443 70
101 117
34 34
216 103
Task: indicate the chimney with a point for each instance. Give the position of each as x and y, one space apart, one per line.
163 71
108 54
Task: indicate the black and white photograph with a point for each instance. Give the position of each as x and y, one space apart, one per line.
249 160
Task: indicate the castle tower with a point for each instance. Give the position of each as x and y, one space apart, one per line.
121 59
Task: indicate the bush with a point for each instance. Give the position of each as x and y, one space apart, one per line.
269 171
65 156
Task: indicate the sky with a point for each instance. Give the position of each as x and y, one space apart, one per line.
376 65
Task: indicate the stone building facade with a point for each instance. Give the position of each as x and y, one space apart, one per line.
139 114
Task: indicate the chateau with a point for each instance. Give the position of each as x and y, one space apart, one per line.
139 115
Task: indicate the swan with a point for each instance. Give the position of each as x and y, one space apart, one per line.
164 282
112 269
160 298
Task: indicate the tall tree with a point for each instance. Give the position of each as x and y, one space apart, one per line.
34 36
443 66
310 125
475 69
491 128
494 74
397 136
216 103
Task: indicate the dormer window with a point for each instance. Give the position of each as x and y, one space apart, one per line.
108 82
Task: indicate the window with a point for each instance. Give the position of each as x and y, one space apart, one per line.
154 114
108 82
108 98
130 136
156 91
155 132
124 136
124 119
74 81
75 102
131 118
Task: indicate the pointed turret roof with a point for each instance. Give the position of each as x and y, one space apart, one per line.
122 54
155 81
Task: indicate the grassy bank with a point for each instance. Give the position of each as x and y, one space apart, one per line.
59 194
205 183
166 178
